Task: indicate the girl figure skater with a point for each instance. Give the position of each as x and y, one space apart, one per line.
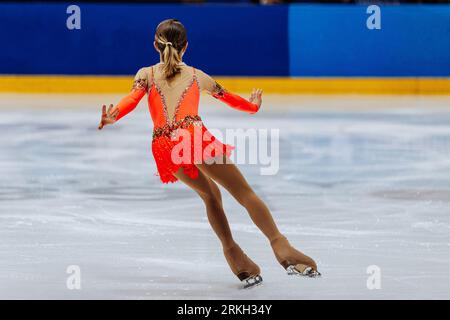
173 91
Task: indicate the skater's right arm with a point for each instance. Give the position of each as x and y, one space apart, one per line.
128 103
233 100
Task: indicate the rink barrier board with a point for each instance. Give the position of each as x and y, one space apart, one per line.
335 41
282 85
297 40
117 38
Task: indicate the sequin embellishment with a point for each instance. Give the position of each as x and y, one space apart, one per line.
169 129
139 84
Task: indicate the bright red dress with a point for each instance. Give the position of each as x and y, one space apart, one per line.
182 141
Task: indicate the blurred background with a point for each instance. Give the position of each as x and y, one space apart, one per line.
357 92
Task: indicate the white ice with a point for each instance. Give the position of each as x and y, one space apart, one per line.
363 181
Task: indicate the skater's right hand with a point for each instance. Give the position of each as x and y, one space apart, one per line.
108 117
256 97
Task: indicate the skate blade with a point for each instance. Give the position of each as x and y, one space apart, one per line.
303 271
251 282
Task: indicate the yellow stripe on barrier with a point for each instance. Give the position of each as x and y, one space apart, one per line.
121 84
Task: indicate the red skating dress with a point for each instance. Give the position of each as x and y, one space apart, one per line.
181 141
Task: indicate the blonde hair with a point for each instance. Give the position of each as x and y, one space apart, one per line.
171 39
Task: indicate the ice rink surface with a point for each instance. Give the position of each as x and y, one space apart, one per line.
362 181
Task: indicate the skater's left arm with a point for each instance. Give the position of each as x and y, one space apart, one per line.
235 101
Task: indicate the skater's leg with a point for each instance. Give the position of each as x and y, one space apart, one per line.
241 265
229 176
210 194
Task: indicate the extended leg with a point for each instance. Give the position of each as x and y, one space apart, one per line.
229 176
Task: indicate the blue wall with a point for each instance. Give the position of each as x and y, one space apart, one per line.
118 38
296 40
333 40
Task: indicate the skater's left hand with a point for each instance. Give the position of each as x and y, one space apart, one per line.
256 97
108 117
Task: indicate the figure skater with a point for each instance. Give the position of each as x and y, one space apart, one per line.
173 90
